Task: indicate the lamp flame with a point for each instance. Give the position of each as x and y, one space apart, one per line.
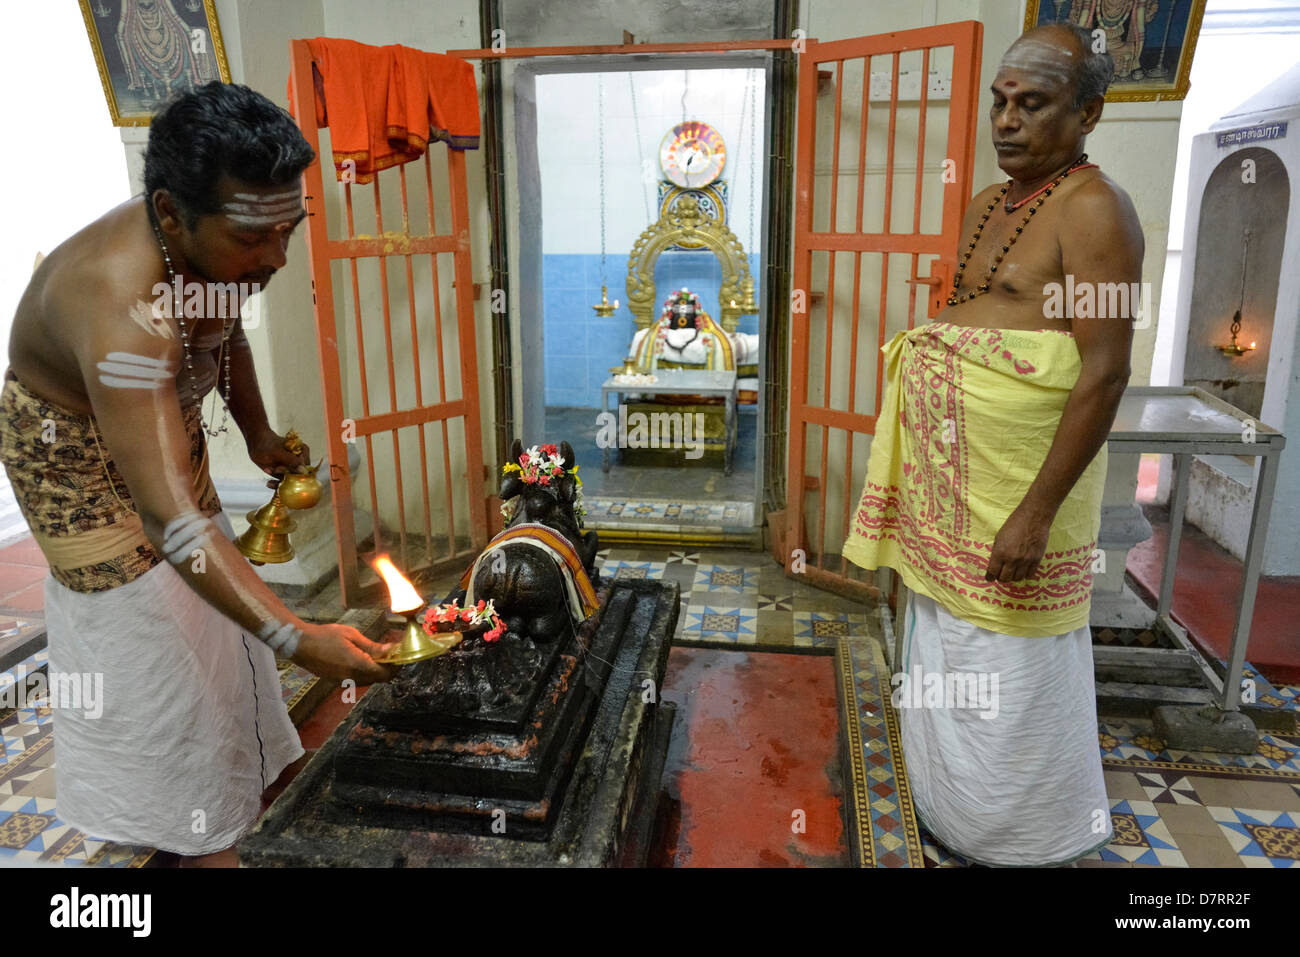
401 594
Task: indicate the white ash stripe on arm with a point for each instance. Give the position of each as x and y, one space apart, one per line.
280 638
150 318
125 370
184 534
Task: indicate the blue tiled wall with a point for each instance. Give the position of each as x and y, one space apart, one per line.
580 347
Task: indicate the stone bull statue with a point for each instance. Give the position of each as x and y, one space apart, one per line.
524 580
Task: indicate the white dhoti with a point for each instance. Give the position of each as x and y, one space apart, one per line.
193 726
1013 777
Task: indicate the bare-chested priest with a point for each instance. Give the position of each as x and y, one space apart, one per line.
985 479
114 345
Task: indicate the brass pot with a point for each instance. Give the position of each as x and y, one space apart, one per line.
301 490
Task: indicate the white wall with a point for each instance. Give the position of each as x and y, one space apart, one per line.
64 164
569 129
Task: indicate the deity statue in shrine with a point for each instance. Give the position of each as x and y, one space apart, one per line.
684 336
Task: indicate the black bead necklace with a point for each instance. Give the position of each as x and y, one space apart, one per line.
983 287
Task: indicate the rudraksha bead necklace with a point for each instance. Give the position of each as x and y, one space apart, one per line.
1046 191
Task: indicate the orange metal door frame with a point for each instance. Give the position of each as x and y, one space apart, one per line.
322 252
964 38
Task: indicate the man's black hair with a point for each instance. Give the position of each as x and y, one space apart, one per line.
220 128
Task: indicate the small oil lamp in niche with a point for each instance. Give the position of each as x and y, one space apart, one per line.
1233 349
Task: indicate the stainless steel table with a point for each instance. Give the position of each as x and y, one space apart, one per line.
1187 421
680 382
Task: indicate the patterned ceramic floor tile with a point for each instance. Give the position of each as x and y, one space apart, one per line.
814 629
1167 787
625 570
775 602
1129 742
1261 838
683 558
726 580
1140 837
720 622
23 822
936 855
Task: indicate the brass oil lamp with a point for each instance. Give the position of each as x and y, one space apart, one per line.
748 305
1234 348
416 644
605 308
266 541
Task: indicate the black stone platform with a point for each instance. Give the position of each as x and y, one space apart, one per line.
560 766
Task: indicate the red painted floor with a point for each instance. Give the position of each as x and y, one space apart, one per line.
752 778
22 582
1207 589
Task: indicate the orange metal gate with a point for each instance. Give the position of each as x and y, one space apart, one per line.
399 401
876 200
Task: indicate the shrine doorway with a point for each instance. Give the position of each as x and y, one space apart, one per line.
862 227
610 236
845 272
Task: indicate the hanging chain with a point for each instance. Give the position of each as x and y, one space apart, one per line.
600 123
640 153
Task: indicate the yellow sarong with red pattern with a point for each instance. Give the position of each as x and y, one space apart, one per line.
968 417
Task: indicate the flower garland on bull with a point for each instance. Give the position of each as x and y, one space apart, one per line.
540 465
543 465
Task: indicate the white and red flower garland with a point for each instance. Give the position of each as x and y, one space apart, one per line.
480 614
541 465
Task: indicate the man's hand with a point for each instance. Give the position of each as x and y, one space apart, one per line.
340 651
1018 547
268 453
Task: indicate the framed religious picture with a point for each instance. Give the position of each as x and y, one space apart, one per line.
148 50
1152 41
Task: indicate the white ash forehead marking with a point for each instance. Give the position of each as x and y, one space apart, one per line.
1041 58
259 220
269 197
264 209
125 370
